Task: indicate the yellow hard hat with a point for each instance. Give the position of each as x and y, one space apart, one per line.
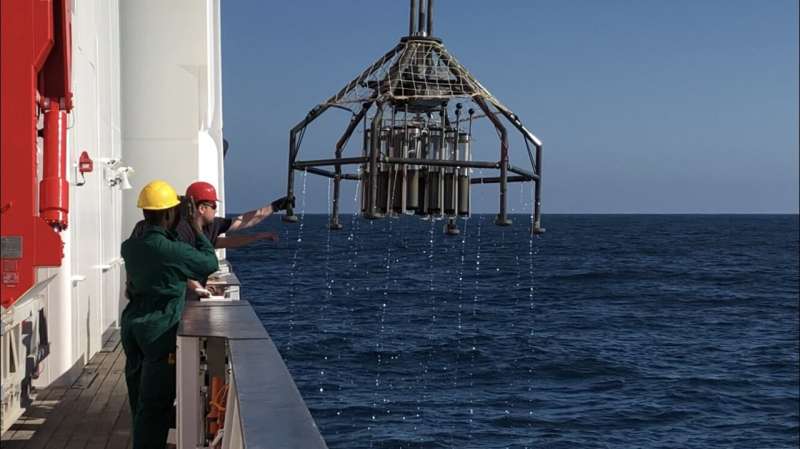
157 195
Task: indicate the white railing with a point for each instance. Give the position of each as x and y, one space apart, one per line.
228 366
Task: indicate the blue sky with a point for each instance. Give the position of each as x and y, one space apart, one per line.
644 106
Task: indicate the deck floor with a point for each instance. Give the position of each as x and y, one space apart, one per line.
93 413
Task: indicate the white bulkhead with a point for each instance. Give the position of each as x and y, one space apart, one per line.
146 79
171 95
83 301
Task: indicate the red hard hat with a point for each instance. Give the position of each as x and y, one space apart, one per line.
202 191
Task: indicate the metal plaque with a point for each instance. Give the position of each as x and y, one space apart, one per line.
11 247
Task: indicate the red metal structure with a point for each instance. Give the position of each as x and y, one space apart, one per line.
36 66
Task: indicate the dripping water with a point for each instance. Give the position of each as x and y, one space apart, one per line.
329 280
292 280
474 348
459 322
349 287
533 251
380 401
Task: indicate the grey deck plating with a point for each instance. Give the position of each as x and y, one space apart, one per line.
93 413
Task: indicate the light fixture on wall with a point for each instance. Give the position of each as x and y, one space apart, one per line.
116 175
122 176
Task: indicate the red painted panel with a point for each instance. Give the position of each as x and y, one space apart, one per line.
28 36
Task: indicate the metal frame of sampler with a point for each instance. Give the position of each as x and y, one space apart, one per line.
416 157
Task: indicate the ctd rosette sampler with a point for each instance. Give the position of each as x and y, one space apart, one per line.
416 106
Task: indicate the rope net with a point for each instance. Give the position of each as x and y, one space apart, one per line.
415 71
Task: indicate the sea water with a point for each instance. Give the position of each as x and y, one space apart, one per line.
607 331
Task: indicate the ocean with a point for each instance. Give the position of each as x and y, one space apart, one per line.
608 331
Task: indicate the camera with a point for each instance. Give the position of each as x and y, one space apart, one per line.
186 208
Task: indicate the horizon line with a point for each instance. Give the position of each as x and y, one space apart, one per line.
581 213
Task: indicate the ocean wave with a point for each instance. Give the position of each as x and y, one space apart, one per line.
582 368
616 331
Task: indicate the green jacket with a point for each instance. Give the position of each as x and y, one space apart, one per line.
158 266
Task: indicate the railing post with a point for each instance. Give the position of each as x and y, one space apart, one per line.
232 437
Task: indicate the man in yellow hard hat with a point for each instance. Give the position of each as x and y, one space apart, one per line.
205 199
158 266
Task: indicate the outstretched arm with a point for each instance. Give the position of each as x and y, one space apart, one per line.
249 219
254 217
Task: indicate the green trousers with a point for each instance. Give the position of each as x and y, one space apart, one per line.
150 375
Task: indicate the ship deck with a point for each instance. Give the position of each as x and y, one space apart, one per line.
92 413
